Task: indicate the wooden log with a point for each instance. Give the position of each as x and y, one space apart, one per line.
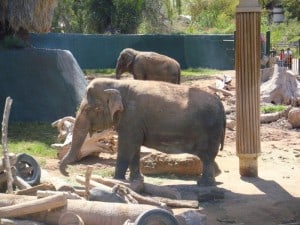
34 206
20 183
224 92
92 213
148 188
12 160
271 117
173 203
59 184
19 222
70 218
7 165
88 175
33 190
68 195
126 193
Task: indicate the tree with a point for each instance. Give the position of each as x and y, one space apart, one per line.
20 17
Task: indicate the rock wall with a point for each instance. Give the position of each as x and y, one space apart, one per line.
45 84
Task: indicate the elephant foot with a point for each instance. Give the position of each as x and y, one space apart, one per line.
206 181
217 169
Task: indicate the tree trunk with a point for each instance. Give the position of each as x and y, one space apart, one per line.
282 88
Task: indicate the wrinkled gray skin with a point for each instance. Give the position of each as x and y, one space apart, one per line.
148 66
167 117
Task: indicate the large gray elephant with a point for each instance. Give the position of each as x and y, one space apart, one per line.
148 66
160 115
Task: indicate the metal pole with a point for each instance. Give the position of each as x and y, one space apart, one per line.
247 64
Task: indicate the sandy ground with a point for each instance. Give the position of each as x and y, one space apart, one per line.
272 198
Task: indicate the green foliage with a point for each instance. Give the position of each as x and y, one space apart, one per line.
127 15
11 41
216 15
272 108
32 138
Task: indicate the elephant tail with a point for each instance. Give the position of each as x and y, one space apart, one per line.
223 134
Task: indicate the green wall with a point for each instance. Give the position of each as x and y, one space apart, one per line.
101 51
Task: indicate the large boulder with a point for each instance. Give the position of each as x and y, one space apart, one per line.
45 84
294 117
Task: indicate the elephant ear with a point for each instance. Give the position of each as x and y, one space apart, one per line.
114 101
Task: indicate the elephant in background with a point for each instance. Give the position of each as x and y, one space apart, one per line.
168 117
148 66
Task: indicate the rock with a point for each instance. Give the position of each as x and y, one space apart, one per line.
230 124
294 117
44 84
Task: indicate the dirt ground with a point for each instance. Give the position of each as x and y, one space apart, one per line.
272 198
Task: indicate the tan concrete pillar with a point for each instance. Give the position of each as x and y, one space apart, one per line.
247 65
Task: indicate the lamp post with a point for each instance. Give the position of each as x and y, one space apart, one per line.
247 66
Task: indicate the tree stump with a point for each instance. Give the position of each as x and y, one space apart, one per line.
282 88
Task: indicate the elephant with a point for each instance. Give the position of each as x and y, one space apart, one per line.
168 117
148 66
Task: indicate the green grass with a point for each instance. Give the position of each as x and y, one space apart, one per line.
272 108
32 138
185 72
198 72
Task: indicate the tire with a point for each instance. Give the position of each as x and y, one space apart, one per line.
156 217
28 169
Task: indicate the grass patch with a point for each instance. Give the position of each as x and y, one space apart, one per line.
272 108
185 72
198 72
100 72
34 139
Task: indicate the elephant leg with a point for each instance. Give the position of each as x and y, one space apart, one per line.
121 167
208 173
134 167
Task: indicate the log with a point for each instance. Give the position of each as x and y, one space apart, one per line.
148 188
20 183
7 165
19 222
34 206
173 203
68 195
282 88
127 193
271 117
147 200
92 213
224 92
33 190
70 218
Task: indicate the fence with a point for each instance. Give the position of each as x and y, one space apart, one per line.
102 51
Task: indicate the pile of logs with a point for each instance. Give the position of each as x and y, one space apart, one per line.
45 204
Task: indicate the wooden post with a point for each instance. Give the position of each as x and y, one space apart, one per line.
7 165
247 65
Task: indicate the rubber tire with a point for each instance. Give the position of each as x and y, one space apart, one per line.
34 178
161 216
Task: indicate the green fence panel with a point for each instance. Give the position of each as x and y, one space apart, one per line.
102 51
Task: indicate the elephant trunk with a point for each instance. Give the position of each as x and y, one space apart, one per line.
118 71
80 131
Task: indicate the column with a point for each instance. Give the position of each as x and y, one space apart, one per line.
247 65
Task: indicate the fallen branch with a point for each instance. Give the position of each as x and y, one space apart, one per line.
226 93
34 206
148 188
